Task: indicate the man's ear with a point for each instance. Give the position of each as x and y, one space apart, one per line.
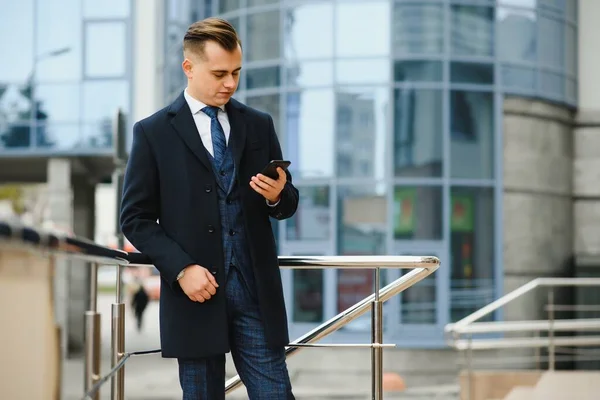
187 67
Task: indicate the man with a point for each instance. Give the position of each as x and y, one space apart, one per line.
195 202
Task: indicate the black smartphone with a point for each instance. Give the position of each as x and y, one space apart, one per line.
271 169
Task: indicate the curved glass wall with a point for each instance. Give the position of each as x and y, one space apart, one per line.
65 75
394 133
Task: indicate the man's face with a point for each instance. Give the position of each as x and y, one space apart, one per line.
214 76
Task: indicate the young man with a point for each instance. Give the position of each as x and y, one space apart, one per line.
195 202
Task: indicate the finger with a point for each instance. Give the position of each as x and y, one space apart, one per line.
210 289
204 293
192 298
264 181
199 298
211 279
257 188
282 175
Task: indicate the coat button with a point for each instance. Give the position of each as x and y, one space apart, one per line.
231 232
222 173
208 188
211 228
229 201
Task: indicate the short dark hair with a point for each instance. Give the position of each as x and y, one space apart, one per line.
215 29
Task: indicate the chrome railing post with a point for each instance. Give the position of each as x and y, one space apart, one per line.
92 336
377 341
551 346
118 341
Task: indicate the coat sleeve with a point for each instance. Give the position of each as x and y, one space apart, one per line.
288 203
140 211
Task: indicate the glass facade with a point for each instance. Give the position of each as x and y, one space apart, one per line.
394 131
66 71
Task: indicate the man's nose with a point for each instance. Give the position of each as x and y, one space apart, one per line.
229 82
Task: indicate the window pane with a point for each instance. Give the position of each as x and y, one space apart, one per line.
362 71
105 46
308 295
472 135
228 5
105 9
464 72
302 40
552 85
15 135
267 103
571 50
264 39
361 131
311 221
417 71
352 41
517 35
551 42
252 3
58 54
310 73
16 23
15 103
418 28
571 90
263 77
472 30
361 231
472 249
419 304
101 99
310 132
418 133
59 102
417 212
60 136
520 78
98 135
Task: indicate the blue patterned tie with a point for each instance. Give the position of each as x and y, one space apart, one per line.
217 134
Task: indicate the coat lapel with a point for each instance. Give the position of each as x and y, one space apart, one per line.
237 138
184 124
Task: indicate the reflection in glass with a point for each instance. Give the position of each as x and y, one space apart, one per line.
17 135
301 39
418 28
105 44
268 103
252 3
419 302
362 222
310 132
517 36
309 73
472 29
519 78
551 42
97 134
418 213
571 92
418 132
15 103
16 23
60 102
465 72
59 54
471 135
553 85
101 99
60 136
311 221
571 50
263 41
361 131
417 71
228 5
352 41
263 77
472 250
362 71
308 295
105 8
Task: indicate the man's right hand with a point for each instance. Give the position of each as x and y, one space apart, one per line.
198 283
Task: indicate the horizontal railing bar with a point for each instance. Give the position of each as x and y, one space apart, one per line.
348 315
515 343
527 326
352 345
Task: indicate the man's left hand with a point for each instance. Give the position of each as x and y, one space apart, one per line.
269 188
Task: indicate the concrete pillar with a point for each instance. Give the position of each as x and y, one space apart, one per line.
60 216
71 208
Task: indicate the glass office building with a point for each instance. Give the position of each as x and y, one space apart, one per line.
65 71
392 115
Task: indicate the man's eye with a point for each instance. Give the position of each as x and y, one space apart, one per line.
219 75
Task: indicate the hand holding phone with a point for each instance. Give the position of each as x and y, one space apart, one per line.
271 169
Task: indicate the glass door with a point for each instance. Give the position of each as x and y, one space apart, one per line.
421 312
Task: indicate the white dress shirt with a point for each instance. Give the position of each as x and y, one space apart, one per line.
203 121
203 125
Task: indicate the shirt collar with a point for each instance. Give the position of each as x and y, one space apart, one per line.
195 104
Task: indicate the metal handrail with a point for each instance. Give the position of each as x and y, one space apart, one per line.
59 244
